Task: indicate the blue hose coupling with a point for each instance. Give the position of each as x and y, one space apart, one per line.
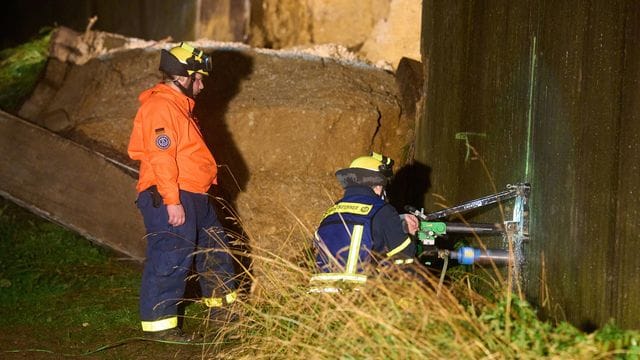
471 256
467 255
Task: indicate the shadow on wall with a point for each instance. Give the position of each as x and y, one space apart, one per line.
409 186
229 69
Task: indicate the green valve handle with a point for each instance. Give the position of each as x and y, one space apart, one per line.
430 230
438 228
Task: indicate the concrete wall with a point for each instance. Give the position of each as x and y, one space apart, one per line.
548 93
71 185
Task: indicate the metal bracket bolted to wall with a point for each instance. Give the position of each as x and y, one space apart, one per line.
515 230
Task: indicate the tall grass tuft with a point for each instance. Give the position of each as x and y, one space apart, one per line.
398 315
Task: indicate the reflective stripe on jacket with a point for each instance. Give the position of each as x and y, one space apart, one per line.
167 141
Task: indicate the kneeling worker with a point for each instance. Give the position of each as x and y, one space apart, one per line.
362 227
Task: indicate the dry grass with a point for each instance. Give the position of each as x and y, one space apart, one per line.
397 315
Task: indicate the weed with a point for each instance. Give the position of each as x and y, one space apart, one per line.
20 69
399 315
55 282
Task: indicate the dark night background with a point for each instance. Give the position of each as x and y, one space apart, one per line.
146 19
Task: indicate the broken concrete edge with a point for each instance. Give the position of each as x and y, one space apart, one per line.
39 204
47 215
70 46
131 171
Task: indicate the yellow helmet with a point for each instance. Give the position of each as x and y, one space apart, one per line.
184 60
372 170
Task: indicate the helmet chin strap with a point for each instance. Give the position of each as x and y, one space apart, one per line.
187 91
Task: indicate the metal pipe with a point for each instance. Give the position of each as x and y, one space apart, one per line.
473 256
480 229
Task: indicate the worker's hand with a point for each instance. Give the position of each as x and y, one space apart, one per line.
176 215
410 223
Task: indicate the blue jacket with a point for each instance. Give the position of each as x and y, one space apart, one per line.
356 227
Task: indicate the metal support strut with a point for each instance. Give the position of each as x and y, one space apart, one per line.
515 230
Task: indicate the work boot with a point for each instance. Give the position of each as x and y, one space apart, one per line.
173 335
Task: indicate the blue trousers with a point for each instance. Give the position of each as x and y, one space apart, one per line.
171 252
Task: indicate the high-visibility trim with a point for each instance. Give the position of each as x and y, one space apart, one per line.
231 297
348 207
354 249
213 302
159 325
332 277
220 301
401 247
403 261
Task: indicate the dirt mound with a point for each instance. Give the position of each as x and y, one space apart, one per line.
383 31
280 123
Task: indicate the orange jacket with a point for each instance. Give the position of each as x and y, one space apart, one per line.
169 145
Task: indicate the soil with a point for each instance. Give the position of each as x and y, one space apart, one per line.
124 344
280 123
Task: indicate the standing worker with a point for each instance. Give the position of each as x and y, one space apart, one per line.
176 171
361 228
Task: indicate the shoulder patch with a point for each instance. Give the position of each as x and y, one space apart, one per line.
163 142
